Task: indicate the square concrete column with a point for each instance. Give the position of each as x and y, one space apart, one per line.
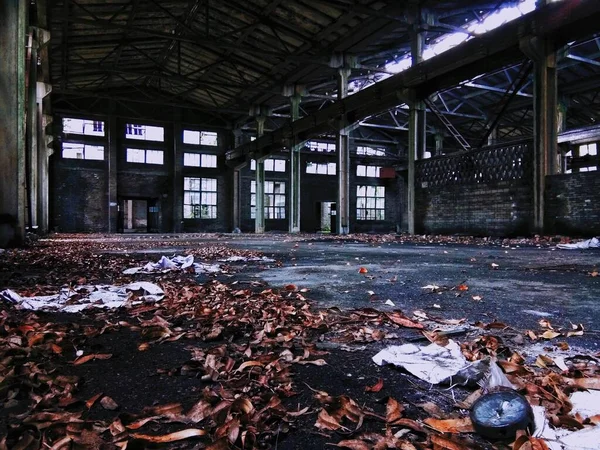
259 221
177 175
112 133
545 129
13 23
343 153
294 220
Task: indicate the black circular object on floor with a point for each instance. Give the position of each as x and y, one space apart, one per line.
501 414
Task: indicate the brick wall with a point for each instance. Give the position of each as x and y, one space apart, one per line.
491 209
79 196
573 204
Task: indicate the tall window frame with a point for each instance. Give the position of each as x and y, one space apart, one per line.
200 197
275 199
370 202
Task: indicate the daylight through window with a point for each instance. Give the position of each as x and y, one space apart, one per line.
274 200
199 198
370 202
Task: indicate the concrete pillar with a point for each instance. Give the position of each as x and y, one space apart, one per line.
416 129
31 134
343 153
236 210
259 221
112 133
294 220
13 22
545 103
439 144
177 175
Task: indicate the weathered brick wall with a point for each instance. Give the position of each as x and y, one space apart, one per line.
79 196
573 204
491 209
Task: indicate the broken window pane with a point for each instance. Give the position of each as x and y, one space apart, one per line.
83 126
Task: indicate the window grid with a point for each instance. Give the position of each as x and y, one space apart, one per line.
199 198
144 132
370 151
72 150
367 171
321 168
370 203
274 200
83 126
322 147
271 165
199 160
208 138
141 156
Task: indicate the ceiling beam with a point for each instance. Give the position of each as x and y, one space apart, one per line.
562 21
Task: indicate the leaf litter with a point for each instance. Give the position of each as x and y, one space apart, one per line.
244 347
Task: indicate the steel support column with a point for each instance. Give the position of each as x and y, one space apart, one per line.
112 156
294 221
177 174
545 136
236 186
13 20
259 221
343 153
416 128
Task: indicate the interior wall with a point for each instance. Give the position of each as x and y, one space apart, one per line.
573 204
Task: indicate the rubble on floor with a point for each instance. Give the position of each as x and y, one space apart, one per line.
224 365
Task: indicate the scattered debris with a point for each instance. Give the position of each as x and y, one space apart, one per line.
76 299
582 245
166 264
434 363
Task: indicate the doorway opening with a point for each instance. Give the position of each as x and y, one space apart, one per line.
139 215
325 212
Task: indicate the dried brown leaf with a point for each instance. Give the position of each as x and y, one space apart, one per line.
353 444
109 403
462 425
87 358
376 387
394 411
171 437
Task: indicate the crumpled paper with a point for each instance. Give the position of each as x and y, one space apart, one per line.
434 363
583 245
76 299
166 264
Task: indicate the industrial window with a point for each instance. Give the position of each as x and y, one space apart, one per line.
367 171
370 151
200 138
588 149
370 203
274 200
144 132
141 156
83 126
271 165
323 147
321 168
72 150
199 198
199 160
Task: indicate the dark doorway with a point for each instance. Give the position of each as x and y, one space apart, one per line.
135 215
323 211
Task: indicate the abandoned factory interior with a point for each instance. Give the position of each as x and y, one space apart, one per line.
253 224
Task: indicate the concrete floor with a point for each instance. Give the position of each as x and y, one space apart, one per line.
528 283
